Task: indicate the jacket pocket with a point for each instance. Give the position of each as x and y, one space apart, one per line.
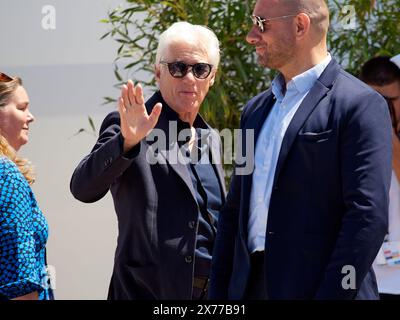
315 136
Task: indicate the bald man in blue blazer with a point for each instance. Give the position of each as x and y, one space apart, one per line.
308 221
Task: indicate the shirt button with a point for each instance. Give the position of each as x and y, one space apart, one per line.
188 259
192 224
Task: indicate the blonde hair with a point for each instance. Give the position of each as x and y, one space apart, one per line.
6 90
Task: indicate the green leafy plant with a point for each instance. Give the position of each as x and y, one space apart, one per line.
137 25
376 31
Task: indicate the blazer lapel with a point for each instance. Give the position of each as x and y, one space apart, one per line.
175 159
172 153
317 92
259 115
255 122
216 158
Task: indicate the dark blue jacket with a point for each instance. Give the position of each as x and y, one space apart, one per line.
156 209
329 202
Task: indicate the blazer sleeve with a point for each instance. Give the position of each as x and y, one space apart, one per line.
19 274
365 154
224 246
95 174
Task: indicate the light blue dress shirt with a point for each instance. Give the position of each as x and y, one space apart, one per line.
269 145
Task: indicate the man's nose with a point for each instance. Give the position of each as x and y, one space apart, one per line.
253 36
189 75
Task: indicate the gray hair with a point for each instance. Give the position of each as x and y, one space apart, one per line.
200 36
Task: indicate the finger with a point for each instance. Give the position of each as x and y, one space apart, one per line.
121 104
121 109
124 95
139 94
155 114
131 93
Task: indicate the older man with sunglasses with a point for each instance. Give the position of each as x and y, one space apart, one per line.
309 221
161 161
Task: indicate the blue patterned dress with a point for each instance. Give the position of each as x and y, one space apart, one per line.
23 237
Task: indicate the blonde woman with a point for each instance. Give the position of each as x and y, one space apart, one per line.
23 227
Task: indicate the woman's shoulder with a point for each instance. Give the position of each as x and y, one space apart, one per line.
7 165
9 169
13 185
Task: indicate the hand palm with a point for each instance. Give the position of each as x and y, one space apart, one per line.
136 123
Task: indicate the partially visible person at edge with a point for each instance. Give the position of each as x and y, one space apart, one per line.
396 60
167 210
384 76
310 219
23 227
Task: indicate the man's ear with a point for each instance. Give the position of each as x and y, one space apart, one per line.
157 72
303 24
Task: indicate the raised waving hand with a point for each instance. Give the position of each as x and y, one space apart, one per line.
136 123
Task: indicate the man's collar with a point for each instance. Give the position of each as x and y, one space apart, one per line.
302 82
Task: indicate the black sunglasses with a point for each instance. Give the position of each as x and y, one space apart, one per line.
5 78
179 69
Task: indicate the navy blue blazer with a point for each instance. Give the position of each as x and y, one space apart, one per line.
329 203
156 208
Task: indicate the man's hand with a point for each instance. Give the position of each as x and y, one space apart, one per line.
135 122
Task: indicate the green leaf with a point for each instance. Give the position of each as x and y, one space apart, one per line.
108 100
117 75
105 35
91 123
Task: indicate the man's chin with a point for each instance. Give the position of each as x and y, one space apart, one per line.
263 62
186 107
267 63
190 105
